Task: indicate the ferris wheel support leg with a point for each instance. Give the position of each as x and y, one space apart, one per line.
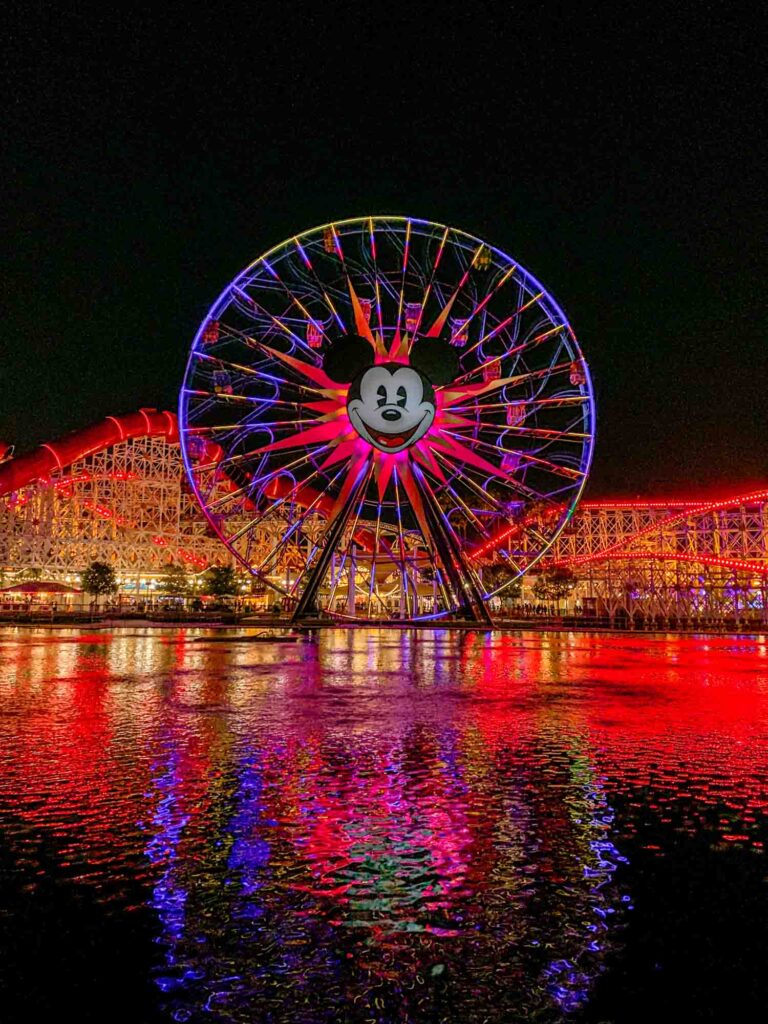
458 571
306 606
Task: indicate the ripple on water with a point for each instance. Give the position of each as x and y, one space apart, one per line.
382 826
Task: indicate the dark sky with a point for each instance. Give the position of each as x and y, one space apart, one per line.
617 155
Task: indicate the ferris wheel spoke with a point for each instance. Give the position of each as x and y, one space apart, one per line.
540 433
316 572
526 346
540 376
532 341
373 276
400 535
362 326
561 457
306 315
554 366
406 254
449 547
351 541
411 561
467 469
442 318
260 480
220 361
553 467
475 406
473 519
374 555
318 284
567 491
196 406
428 288
248 371
482 493
455 393
227 428
277 425
287 498
282 542
276 321
482 305
256 481
376 285
220 399
242 429
502 325
286 362
275 332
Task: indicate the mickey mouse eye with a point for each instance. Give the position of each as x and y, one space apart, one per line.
381 392
402 397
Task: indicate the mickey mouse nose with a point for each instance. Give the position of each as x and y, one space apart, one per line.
392 415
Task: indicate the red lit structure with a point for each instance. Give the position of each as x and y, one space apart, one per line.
116 492
48 458
113 492
691 562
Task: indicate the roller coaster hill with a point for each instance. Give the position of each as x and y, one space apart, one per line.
116 492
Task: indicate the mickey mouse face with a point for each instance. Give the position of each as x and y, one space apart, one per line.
391 406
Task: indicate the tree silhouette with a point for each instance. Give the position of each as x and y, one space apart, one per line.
99 578
175 581
220 581
554 585
497 575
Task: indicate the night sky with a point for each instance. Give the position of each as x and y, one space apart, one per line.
147 160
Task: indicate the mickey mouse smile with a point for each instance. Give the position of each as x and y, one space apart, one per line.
389 441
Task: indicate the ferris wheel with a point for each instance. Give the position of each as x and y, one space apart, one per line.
386 417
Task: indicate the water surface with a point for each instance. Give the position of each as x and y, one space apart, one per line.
382 826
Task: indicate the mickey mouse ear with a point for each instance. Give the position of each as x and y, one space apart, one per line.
437 359
347 356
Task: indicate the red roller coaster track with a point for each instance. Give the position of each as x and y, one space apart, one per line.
44 460
618 552
57 455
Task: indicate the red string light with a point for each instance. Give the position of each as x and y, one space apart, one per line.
758 568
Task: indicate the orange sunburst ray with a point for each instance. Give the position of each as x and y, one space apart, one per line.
344 449
452 419
330 431
442 317
464 454
398 350
313 373
424 455
414 496
327 406
357 464
362 327
439 324
383 468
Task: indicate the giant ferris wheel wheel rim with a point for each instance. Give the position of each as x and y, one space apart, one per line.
420 477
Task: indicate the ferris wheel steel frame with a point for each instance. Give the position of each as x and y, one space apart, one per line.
496 464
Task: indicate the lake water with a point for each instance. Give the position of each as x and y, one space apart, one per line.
383 826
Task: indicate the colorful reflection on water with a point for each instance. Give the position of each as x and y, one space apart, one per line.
381 825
